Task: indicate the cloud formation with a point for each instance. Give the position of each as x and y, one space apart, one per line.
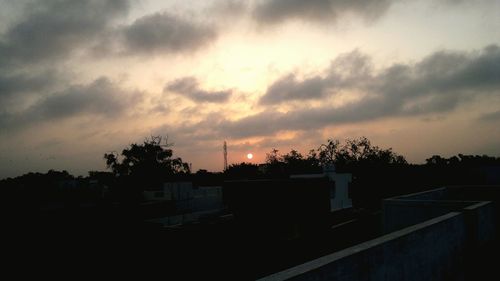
101 98
276 11
346 70
164 32
288 88
55 29
47 33
490 116
16 86
439 83
35 47
189 88
225 10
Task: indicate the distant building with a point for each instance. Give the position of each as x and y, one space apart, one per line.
190 202
339 187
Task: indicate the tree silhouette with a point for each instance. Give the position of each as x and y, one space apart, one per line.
356 153
242 170
150 163
274 164
294 162
463 161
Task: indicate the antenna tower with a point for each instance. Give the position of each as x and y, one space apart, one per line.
225 155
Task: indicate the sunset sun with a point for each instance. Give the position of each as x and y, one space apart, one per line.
249 156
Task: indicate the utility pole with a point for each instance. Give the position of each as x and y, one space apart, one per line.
225 155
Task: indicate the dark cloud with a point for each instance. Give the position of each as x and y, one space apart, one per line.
100 98
228 9
165 33
189 88
490 117
261 124
54 29
16 86
346 70
288 88
439 83
277 11
271 12
269 123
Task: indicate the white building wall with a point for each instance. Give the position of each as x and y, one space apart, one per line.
339 195
339 190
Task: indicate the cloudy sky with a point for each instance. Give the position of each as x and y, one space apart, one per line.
80 78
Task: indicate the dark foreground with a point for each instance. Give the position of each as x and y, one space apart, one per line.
88 244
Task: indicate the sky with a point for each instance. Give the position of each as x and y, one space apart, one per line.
80 78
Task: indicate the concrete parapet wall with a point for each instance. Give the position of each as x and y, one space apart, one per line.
402 211
472 192
434 194
431 238
431 250
480 220
398 214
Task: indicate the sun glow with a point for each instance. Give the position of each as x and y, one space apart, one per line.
249 156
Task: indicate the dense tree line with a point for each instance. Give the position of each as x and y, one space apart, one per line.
463 160
351 155
138 167
377 172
